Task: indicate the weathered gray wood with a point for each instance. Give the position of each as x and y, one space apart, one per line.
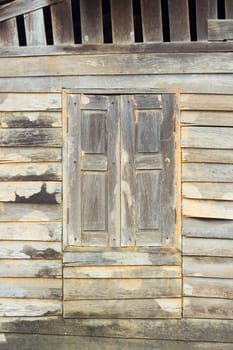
35 28
122 21
207 155
148 161
93 132
136 308
93 202
40 288
91 21
62 23
202 14
220 29
207 228
30 250
30 232
29 307
207 247
229 9
93 102
208 267
21 7
29 154
29 102
109 64
29 212
208 307
75 289
148 131
128 180
8 33
122 272
150 101
206 102
94 162
213 9
208 209
207 172
148 238
36 268
30 137
179 18
206 118
205 190
31 119
129 258
30 172
151 21
208 287
94 239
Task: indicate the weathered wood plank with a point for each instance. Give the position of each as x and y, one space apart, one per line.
220 29
30 250
205 190
31 137
207 172
30 172
207 155
208 228
21 7
208 267
41 288
208 247
122 272
91 21
202 14
206 102
36 268
8 33
106 289
29 102
179 18
29 212
206 118
62 23
129 258
35 28
208 307
204 83
29 307
208 287
151 21
122 21
30 232
136 308
31 119
229 9
148 161
94 162
94 239
208 208
29 154
109 64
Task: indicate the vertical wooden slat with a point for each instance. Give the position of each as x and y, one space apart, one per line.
229 9
122 21
8 33
128 183
205 9
35 29
179 20
213 9
91 21
62 23
151 20
114 172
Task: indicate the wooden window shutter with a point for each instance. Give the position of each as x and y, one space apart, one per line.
120 170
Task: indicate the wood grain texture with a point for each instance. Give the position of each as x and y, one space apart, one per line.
122 22
8 33
208 209
30 250
208 247
229 9
220 29
30 172
205 190
207 118
151 21
29 307
35 28
30 119
41 288
207 228
62 23
179 18
202 14
105 289
137 308
91 21
208 287
199 155
210 267
207 172
30 102
208 307
29 155
206 102
37 268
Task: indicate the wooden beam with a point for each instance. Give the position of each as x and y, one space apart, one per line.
21 7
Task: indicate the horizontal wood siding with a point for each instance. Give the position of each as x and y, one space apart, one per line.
207 176
30 205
